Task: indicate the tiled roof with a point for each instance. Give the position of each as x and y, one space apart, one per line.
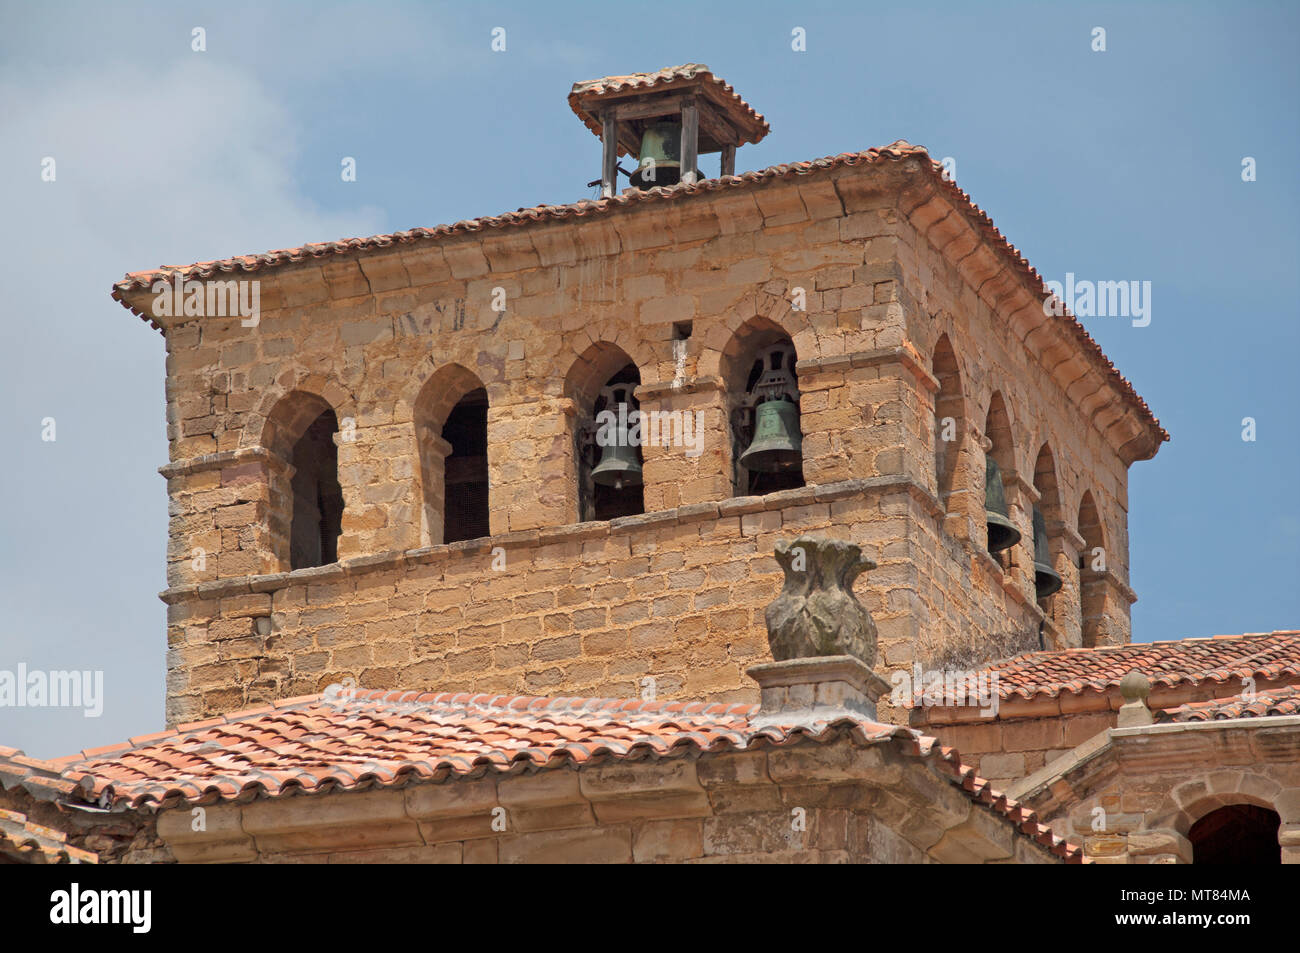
900 150
750 125
1274 701
26 842
1222 659
377 739
139 280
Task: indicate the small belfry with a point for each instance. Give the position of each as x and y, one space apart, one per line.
667 120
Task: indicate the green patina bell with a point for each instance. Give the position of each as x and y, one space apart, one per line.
777 444
1046 579
619 466
660 160
1002 532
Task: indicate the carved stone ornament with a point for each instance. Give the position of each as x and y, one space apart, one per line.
817 613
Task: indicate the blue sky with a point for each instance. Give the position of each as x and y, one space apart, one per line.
1115 165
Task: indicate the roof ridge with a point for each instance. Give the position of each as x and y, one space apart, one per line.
1196 661
1101 649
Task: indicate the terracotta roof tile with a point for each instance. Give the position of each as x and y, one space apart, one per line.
1222 659
900 150
28 842
378 738
1274 701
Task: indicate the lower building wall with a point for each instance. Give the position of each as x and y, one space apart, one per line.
1005 751
1025 735
1137 797
1146 820
809 803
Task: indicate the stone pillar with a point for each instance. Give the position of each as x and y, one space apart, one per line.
1018 561
376 469
964 512
279 481
1106 602
830 427
225 515
433 485
532 465
1066 604
1287 805
678 471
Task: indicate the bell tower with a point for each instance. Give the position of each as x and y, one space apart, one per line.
667 120
390 478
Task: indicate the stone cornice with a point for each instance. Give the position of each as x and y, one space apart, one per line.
1151 748
665 389
1088 751
1108 576
222 460
1006 284
1181 727
1066 532
1090 701
833 363
1015 479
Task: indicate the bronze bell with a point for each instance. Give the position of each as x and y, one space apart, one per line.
1046 579
777 445
619 466
661 148
1002 532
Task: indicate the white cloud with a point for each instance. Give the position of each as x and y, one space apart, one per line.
157 164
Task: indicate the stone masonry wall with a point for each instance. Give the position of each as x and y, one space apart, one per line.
854 806
1028 734
589 609
951 286
1136 800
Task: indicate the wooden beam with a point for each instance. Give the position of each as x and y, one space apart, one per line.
690 139
714 125
649 108
609 155
728 160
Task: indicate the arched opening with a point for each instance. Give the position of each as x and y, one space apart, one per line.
949 420
1092 562
1046 521
465 501
758 370
305 506
317 496
1237 834
999 460
607 433
451 429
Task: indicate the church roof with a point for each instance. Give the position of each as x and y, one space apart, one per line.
900 150
375 739
1219 659
27 842
1274 701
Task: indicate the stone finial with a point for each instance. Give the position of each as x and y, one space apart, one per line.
816 613
822 638
1135 687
